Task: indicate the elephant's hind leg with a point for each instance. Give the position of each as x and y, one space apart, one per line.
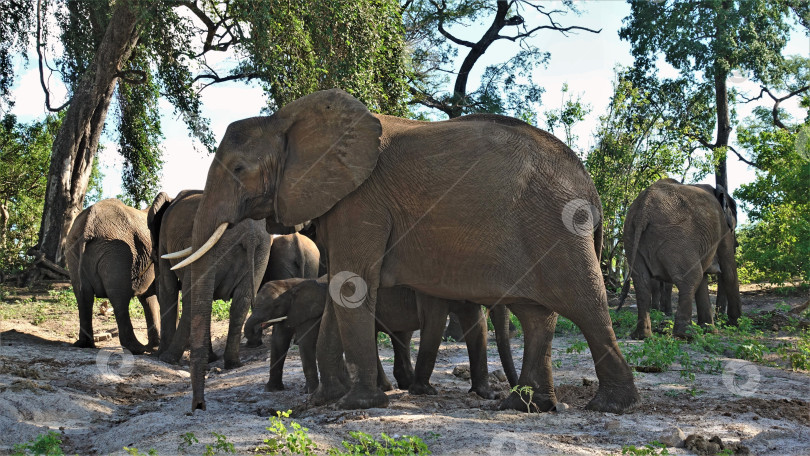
644 285
151 311
703 303
85 301
538 324
687 289
126 335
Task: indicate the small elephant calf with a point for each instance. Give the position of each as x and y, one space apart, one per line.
302 302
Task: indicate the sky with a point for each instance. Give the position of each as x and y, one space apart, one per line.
583 60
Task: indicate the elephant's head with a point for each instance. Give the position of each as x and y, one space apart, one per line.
727 203
278 302
290 167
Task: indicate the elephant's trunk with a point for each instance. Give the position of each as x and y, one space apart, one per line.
202 291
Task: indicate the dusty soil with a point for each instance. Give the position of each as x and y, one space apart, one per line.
101 401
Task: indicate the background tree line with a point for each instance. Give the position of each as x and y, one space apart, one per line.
409 58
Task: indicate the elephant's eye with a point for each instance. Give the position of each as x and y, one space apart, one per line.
238 169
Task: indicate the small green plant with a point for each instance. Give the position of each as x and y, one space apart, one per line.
286 442
577 347
222 445
652 448
519 328
656 354
186 440
137 452
220 310
48 444
384 340
527 390
565 326
366 444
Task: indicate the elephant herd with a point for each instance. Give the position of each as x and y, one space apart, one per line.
411 220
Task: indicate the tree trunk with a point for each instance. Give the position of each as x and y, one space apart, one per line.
75 145
723 126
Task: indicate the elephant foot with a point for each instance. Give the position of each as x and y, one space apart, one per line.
272 386
422 389
135 349
170 357
385 386
363 399
641 334
212 356
311 387
528 404
325 394
253 343
84 343
483 391
621 398
230 364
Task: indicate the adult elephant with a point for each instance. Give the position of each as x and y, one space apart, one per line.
678 233
483 208
108 256
297 306
233 270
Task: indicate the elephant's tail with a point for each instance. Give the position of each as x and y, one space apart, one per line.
638 227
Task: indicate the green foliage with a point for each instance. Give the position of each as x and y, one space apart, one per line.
571 112
286 442
221 310
16 19
656 353
797 353
578 346
24 161
652 448
366 444
775 244
384 340
565 326
297 47
48 444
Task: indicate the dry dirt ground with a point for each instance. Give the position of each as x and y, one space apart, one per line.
100 401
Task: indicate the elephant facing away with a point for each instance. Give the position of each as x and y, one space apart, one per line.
484 208
678 233
297 305
233 270
108 254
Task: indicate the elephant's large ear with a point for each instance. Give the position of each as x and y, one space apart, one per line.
332 145
728 205
154 217
310 300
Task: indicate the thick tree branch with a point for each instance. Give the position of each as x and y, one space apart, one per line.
126 76
448 35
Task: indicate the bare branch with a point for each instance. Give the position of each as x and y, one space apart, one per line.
448 35
40 59
546 27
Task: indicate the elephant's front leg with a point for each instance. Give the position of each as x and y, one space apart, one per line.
280 342
403 369
538 324
666 298
433 313
151 310
357 331
241 303
474 324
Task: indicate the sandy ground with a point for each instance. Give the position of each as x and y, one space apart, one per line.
101 401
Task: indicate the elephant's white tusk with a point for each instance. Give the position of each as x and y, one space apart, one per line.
178 254
275 320
205 247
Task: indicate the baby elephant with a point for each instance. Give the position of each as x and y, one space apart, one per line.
302 302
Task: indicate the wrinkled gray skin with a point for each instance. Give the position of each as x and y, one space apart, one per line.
303 301
108 256
482 208
234 270
678 234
